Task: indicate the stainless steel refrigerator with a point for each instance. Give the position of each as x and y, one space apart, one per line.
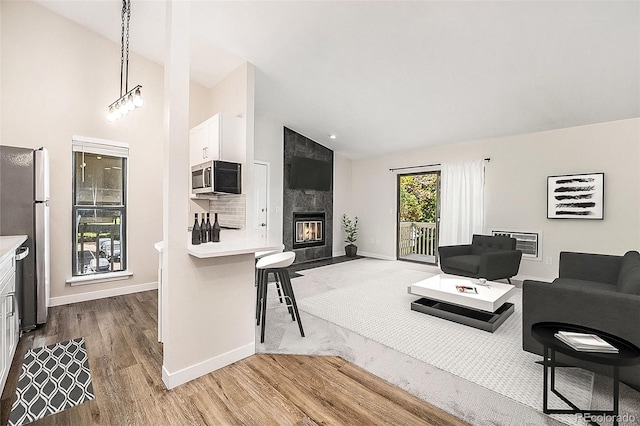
24 210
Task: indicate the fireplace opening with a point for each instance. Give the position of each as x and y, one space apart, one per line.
308 229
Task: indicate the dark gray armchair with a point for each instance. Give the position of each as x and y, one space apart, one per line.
592 290
490 257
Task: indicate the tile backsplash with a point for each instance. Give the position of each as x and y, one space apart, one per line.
231 210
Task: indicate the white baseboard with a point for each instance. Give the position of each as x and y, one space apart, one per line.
172 380
376 255
101 294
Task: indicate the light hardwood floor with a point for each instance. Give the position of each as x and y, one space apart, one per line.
126 360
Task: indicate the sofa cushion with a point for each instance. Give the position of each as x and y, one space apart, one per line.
468 263
630 282
486 243
479 250
572 282
629 276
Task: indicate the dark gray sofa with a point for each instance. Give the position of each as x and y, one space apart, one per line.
488 256
592 290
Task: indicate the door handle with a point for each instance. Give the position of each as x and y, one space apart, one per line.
263 224
204 152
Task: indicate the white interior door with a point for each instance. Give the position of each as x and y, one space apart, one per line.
261 170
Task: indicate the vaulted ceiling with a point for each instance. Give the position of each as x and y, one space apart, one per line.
393 75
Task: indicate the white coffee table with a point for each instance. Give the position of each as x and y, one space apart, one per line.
485 309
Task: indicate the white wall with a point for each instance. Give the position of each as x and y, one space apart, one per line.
516 189
233 96
269 147
57 80
1 96
341 200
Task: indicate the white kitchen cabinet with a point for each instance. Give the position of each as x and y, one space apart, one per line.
217 138
9 325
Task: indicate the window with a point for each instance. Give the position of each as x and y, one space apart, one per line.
99 206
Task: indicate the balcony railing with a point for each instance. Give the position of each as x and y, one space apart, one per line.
418 238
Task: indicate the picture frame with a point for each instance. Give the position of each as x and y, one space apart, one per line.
578 196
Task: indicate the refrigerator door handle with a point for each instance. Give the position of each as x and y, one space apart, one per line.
43 256
42 174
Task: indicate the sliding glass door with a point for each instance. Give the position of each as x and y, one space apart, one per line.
418 217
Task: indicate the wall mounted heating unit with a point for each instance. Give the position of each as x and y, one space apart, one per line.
529 242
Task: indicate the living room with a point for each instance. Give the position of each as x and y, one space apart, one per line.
522 156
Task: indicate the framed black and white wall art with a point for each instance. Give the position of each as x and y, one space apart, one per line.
575 196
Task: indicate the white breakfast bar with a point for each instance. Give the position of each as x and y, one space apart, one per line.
236 241
206 313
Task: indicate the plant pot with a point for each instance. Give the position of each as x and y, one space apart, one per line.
351 250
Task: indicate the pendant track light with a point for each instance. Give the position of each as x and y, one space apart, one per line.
129 99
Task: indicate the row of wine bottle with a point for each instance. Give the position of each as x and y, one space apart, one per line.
205 232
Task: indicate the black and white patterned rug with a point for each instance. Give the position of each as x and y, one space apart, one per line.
53 378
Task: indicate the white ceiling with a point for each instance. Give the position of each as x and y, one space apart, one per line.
388 76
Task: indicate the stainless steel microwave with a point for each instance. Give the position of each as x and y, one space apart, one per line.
216 177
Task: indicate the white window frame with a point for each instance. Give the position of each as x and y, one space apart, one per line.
114 149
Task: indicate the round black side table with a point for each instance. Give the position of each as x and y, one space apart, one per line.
628 354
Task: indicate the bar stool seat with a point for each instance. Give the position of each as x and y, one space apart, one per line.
277 260
261 254
277 265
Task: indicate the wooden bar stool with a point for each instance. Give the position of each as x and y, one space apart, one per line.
276 264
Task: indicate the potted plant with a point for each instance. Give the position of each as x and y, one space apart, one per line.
351 235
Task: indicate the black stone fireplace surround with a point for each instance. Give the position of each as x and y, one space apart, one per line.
308 202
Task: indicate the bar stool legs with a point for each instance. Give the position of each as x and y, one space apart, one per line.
287 282
287 294
277 265
263 282
259 255
263 304
259 279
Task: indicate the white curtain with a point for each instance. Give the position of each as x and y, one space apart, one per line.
461 202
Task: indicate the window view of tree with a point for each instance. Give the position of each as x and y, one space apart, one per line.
417 239
418 198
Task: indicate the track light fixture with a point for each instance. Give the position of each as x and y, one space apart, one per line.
131 99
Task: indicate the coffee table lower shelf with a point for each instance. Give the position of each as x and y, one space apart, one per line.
483 320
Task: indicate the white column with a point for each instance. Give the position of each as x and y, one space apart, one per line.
208 305
175 177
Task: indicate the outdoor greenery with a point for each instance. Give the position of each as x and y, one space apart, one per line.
350 229
418 198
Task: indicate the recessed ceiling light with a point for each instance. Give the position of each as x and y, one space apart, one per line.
332 136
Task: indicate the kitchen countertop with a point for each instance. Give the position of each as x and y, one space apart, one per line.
233 242
10 244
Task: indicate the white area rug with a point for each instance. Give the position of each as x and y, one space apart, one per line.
380 309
